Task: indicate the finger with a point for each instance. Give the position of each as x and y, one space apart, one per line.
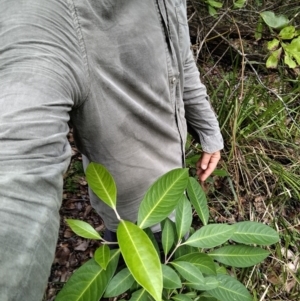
207 172
204 161
213 160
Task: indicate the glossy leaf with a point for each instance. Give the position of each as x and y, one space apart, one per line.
102 183
140 295
198 199
141 258
119 284
83 229
167 236
89 281
181 297
183 217
200 260
274 21
162 197
239 256
230 289
188 271
209 283
210 236
170 278
102 256
254 233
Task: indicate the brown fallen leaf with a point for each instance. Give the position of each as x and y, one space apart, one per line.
82 245
62 256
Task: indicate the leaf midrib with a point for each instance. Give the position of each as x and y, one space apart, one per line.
158 202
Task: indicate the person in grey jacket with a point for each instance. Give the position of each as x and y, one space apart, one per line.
122 73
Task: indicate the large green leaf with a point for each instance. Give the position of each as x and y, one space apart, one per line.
102 183
254 233
239 256
209 283
200 260
210 236
170 278
198 199
183 216
274 21
102 256
89 281
230 289
141 258
119 284
188 271
162 197
167 236
83 229
140 295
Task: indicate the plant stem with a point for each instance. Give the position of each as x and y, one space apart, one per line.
176 247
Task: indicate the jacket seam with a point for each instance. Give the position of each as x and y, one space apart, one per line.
82 45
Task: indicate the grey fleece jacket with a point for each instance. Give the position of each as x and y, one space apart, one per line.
121 71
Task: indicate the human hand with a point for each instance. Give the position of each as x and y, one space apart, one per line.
207 164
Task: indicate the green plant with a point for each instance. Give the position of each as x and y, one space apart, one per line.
213 6
286 42
185 268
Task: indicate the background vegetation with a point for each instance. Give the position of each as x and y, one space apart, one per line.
259 114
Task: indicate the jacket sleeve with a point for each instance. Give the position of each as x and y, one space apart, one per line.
201 119
37 89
